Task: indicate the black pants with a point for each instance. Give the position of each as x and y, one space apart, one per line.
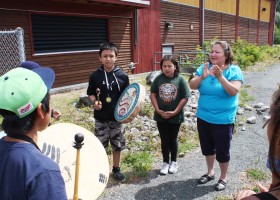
169 142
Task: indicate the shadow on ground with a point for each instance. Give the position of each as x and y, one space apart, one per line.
175 190
133 179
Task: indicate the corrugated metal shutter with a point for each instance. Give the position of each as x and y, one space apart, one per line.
53 33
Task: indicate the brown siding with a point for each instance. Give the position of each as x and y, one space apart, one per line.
248 31
228 27
120 34
183 38
212 26
72 68
263 37
253 27
243 28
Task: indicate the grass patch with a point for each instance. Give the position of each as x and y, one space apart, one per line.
187 140
139 163
66 104
223 197
244 97
257 174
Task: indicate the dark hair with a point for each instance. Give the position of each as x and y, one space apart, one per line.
13 125
171 59
108 46
227 50
274 123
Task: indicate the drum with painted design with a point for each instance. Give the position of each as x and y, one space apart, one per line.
57 143
130 102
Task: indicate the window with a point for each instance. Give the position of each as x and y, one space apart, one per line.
167 49
54 34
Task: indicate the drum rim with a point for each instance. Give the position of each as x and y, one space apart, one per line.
121 118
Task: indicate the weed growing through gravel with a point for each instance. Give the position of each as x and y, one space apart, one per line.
139 163
257 174
244 97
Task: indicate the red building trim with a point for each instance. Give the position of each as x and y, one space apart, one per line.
62 7
127 3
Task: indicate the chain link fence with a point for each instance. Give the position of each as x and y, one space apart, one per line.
12 51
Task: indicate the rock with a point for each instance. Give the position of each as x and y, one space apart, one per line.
252 120
248 108
240 111
151 77
258 105
85 100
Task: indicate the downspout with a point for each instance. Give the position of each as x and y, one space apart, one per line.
271 23
258 25
202 4
237 21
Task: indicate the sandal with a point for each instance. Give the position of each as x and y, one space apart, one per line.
205 179
221 185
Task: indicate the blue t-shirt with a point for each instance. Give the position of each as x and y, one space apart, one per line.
214 104
25 173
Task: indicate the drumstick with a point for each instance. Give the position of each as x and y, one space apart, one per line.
97 93
79 138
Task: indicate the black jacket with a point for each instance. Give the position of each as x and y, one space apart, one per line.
117 82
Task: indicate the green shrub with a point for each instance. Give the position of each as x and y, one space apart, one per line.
246 54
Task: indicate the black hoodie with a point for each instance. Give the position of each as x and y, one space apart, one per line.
117 81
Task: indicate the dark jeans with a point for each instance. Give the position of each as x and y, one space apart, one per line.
169 143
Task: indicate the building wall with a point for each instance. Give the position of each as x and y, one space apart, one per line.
72 68
221 25
181 36
247 8
149 37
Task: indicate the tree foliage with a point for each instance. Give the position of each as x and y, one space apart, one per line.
277 24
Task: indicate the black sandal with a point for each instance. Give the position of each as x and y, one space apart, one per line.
221 185
205 179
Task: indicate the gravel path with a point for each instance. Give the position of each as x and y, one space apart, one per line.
249 150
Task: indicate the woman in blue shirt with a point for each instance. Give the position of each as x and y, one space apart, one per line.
218 82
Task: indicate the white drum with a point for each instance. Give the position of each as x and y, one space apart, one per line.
2 134
57 142
130 102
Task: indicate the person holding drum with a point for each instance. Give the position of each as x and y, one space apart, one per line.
25 106
169 94
105 87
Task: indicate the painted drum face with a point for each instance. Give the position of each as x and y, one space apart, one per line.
57 142
129 103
